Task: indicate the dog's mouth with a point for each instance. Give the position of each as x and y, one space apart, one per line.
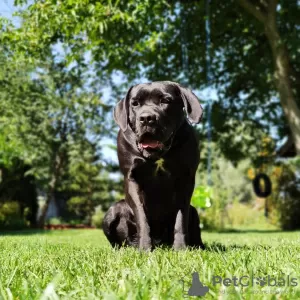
151 146
148 142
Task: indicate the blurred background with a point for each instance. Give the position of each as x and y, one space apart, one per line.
65 64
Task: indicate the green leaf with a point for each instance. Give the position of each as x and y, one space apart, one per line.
202 197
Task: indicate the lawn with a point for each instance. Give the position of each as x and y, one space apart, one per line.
80 264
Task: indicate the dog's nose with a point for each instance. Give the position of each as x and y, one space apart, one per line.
147 119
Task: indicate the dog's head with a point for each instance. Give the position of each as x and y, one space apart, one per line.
155 111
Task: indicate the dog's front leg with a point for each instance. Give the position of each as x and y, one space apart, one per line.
183 197
181 229
143 229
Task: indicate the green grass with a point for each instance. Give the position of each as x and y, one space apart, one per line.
80 264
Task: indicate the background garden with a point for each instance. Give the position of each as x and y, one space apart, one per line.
64 65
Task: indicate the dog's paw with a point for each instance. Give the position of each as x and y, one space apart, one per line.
179 242
145 245
178 246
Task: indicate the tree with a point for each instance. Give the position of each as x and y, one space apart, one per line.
17 189
50 107
75 114
254 49
11 148
286 74
87 181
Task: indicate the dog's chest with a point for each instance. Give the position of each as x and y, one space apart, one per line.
157 180
155 172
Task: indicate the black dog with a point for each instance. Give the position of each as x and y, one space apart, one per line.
158 155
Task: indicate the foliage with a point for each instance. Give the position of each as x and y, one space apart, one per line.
230 185
54 221
235 216
161 40
240 141
287 197
98 217
10 147
233 184
213 218
51 115
283 203
10 216
48 112
17 187
289 207
246 216
229 181
201 197
87 181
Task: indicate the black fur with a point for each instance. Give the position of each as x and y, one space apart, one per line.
159 180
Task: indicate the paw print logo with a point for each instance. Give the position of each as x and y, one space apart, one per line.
261 281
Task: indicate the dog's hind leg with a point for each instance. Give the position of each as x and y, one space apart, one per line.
119 226
194 229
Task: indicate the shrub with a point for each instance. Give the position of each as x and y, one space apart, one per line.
211 218
289 208
54 221
234 216
98 217
286 195
10 216
75 222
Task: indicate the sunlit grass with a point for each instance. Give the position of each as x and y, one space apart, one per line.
80 264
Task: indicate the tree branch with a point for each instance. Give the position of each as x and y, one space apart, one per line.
272 7
253 10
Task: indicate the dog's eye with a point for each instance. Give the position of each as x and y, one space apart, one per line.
165 100
134 103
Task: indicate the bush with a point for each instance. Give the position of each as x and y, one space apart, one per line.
289 208
286 195
211 218
10 216
98 217
234 216
75 222
54 221
246 216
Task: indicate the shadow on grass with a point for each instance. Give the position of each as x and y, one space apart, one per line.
226 231
25 232
218 247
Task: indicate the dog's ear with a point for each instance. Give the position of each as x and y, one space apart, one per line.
192 105
121 111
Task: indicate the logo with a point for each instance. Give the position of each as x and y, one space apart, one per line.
255 281
197 288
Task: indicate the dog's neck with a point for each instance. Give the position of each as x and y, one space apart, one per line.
180 133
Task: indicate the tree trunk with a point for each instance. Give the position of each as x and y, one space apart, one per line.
49 197
283 82
51 188
283 70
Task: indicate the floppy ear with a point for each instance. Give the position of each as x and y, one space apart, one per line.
191 104
121 112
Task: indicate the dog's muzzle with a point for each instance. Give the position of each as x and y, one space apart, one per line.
151 147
